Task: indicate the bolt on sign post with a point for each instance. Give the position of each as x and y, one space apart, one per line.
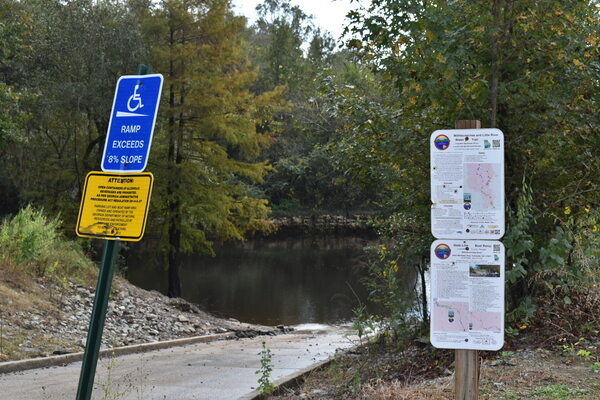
114 204
467 260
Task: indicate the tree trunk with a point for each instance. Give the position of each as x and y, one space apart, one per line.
495 63
174 260
173 204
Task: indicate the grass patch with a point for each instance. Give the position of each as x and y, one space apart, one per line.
511 396
18 343
558 392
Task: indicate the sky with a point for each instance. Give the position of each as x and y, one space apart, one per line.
329 14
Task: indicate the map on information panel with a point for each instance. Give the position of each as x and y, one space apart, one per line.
467 183
467 294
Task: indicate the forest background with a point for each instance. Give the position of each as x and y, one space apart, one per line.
276 119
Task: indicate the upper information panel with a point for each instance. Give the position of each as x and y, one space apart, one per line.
467 184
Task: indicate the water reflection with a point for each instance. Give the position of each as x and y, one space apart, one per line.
279 282
270 281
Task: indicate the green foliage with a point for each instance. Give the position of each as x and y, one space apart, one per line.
31 242
518 239
298 185
13 25
60 72
564 261
522 312
442 60
265 387
510 395
28 235
585 354
306 170
519 245
11 119
553 259
509 330
390 285
581 348
363 322
519 67
581 232
281 32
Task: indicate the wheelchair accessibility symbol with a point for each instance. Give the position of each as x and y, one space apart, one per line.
135 99
134 103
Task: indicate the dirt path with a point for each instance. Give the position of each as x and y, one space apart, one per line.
529 374
536 374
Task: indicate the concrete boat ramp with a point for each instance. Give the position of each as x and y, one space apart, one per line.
224 369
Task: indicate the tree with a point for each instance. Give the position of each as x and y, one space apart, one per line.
212 130
13 50
292 53
532 82
281 30
74 53
527 67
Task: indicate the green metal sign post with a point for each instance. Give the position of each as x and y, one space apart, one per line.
98 317
94 337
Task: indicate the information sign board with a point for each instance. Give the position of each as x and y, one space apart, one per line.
131 124
115 206
467 183
467 294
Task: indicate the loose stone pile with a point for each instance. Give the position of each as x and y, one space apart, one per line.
134 316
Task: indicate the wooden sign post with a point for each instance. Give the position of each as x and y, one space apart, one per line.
467 258
466 362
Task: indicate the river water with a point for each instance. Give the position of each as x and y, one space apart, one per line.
268 281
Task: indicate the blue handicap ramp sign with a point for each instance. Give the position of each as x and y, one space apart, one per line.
131 123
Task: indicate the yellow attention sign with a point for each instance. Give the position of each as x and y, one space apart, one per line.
115 206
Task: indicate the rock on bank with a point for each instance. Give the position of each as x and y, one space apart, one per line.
43 319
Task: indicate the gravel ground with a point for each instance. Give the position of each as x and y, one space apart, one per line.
45 319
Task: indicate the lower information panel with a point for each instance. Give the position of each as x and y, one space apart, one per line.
467 294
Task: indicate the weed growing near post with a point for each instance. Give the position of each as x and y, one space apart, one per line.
142 380
265 386
109 389
129 385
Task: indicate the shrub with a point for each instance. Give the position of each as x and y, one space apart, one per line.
31 242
